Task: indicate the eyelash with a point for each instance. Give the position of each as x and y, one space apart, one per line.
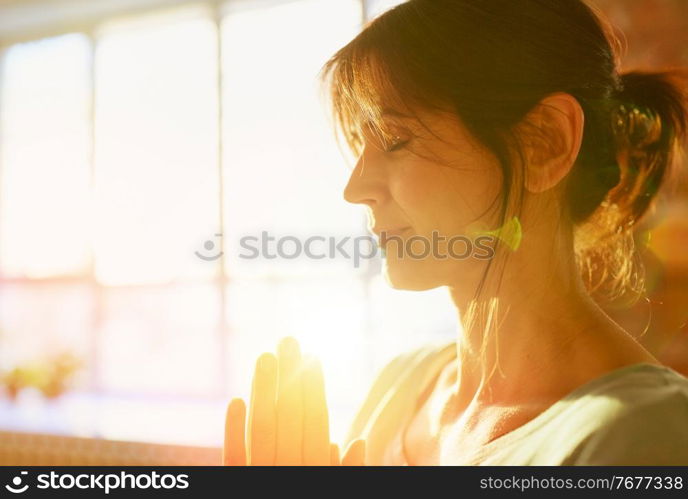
396 145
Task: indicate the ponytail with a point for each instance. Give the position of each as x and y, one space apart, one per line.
649 123
649 128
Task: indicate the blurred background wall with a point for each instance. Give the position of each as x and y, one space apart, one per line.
139 141
655 33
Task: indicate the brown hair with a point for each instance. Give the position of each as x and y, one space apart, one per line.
490 63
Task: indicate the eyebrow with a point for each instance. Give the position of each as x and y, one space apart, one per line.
394 114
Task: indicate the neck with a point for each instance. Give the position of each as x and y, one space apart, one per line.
539 319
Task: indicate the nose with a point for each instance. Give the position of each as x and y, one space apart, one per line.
366 184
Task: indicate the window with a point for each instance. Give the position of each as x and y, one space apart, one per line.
129 148
376 7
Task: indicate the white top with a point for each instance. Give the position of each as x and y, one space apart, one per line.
634 415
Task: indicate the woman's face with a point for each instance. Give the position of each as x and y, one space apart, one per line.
441 187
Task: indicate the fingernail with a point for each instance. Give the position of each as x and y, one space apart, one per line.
265 363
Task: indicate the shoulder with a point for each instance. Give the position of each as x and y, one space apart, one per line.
638 418
416 357
391 375
405 363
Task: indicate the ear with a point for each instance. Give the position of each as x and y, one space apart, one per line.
554 143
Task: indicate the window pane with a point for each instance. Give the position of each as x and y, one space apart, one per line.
156 148
44 153
402 320
161 340
283 171
376 7
327 316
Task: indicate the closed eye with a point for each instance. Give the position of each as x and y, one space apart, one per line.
396 145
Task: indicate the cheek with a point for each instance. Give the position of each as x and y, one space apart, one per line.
414 185
447 199
475 193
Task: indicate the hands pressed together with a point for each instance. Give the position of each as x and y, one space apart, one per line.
288 421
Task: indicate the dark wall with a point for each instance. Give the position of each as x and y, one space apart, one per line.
656 35
656 31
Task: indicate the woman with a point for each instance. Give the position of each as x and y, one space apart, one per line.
508 119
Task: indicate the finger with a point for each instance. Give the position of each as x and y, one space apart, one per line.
316 428
334 455
234 450
289 404
355 454
262 426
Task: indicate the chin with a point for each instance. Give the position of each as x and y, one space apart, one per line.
410 276
422 275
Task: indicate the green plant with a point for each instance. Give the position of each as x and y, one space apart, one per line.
50 375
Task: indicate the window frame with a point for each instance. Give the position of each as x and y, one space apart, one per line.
66 21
